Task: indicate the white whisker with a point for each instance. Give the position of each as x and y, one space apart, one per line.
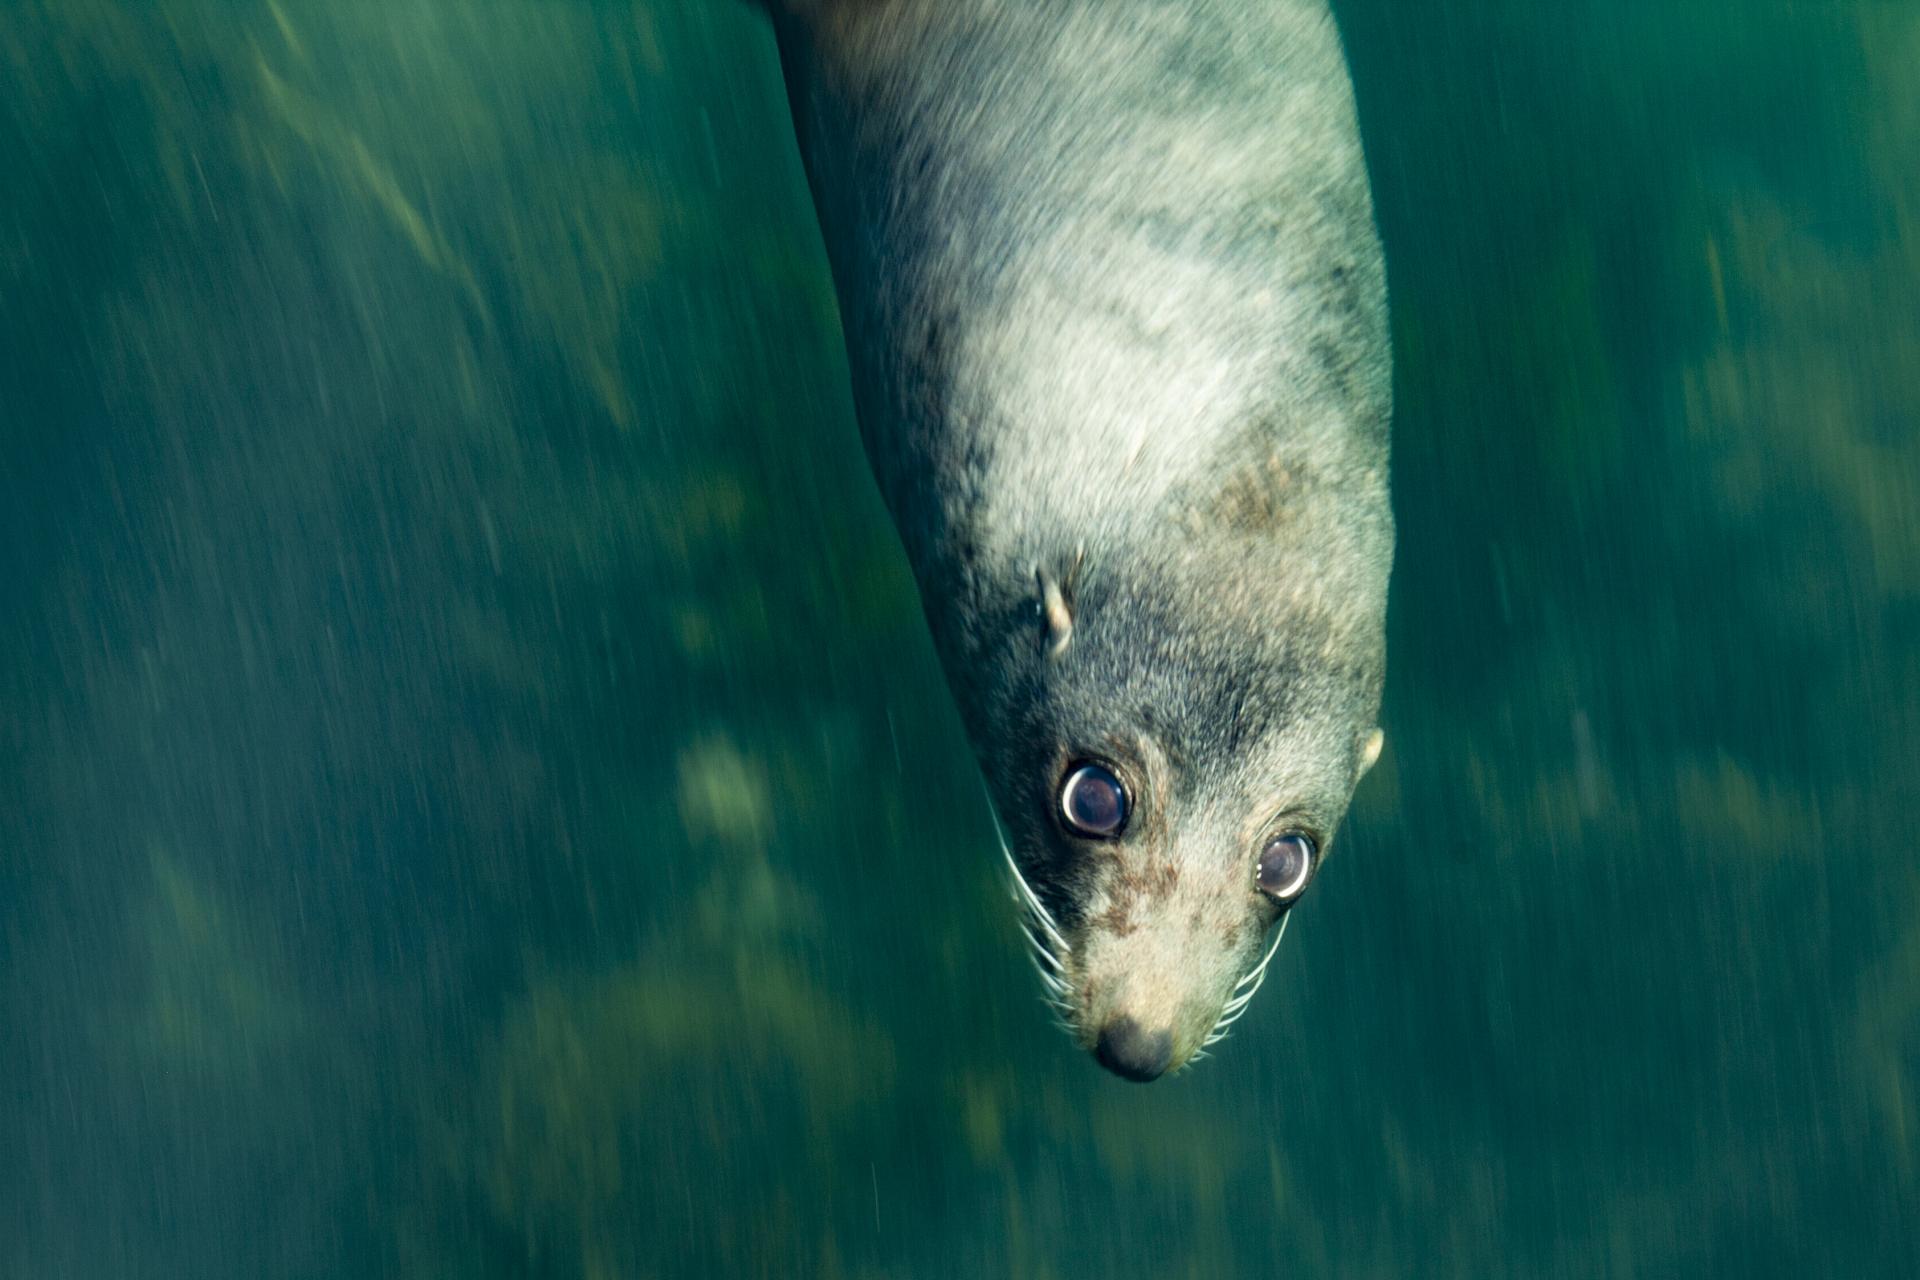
1259 975
1259 971
1042 950
1048 947
1055 988
1244 991
1229 1019
1039 914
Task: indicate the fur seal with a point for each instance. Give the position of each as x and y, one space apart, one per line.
1115 310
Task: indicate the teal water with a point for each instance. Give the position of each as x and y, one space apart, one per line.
476 799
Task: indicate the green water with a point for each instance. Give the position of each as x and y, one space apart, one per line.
476 799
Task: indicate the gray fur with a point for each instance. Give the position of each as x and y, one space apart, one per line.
1116 315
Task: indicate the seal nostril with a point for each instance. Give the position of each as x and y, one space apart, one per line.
1133 1054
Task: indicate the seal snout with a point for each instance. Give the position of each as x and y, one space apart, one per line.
1131 1052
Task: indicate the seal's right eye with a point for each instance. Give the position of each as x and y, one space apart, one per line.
1285 866
1092 802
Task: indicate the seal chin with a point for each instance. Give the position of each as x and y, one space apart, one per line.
1132 1052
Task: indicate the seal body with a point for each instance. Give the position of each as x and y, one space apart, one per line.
1115 311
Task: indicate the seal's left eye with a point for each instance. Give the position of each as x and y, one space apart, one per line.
1092 801
1285 866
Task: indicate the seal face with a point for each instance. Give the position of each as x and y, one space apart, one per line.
1115 311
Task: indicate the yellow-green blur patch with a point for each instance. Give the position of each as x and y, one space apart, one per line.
605 1089
214 1009
403 109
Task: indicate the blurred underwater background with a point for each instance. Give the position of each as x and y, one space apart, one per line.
476 799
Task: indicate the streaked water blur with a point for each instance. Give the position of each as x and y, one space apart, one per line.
476 799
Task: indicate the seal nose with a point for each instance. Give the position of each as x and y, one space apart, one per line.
1131 1053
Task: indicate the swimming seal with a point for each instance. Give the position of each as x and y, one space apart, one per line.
1115 312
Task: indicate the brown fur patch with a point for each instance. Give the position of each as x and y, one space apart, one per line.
1255 498
1158 880
1118 918
1155 882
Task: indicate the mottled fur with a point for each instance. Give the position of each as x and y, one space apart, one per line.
1116 315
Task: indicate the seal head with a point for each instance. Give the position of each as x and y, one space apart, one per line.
1170 780
1115 314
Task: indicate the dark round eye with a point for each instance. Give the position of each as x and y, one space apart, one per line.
1286 864
1092 801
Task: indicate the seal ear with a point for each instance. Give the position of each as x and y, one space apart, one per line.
1058 611
1056 602
1370 752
